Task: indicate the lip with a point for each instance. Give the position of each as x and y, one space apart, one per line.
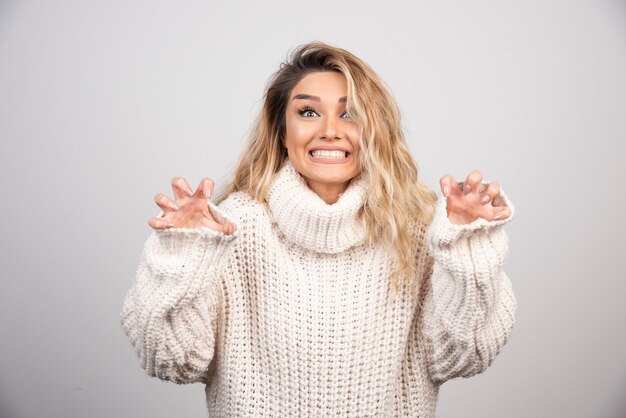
328 148
329 160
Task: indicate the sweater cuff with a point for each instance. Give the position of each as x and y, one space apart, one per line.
443 233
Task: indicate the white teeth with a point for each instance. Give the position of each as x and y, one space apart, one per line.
329 154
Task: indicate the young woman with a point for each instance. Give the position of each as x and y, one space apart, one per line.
326 279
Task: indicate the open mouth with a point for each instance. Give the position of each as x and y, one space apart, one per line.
329 154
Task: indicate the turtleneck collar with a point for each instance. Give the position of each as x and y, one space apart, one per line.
305 219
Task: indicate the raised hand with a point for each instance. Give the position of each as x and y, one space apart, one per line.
468 201
189 209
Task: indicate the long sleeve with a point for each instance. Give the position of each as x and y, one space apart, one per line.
170 312
469 307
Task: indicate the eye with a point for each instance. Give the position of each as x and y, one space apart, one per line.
347 115
306 110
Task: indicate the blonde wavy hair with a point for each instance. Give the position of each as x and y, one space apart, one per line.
396 201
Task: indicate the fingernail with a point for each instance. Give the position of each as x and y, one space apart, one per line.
207 192
467 188
485 198
446 191
188 191
498 215
172 205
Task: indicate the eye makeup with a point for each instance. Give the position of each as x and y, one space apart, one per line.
308 108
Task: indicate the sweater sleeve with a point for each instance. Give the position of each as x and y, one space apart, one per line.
170 313
469 307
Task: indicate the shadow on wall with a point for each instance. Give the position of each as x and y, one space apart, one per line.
7 7
5 410
617 406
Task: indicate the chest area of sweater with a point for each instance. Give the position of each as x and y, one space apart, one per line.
295 278
321 319
291 292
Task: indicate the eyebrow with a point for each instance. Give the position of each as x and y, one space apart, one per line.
315 98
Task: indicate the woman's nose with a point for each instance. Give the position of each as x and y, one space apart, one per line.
330 129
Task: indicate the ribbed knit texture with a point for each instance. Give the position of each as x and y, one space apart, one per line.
290 315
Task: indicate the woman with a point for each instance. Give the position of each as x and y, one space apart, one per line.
326 279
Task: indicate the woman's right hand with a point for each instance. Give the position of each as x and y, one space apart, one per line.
189 209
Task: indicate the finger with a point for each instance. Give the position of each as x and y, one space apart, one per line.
181 188
472 182
493 190
498 200
227 227
231 228
446 183
159 223
502 212
205 188
165 203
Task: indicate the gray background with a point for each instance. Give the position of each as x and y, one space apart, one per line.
102 102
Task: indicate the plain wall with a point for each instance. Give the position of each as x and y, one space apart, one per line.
103 102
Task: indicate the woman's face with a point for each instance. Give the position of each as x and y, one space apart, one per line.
321 139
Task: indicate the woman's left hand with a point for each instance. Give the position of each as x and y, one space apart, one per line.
466 202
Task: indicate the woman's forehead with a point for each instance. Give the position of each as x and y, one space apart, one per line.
321 86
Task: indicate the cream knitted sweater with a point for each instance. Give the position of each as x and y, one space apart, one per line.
289 316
